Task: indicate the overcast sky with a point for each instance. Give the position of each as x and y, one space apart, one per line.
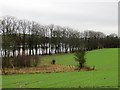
81 15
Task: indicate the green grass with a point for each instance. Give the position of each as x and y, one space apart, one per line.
63 59
106 73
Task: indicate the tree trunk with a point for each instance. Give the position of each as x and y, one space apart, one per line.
36 49
49 49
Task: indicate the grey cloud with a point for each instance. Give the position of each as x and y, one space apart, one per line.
100 16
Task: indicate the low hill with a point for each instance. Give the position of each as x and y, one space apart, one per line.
105 74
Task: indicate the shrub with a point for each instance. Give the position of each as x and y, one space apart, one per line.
19 61
80 58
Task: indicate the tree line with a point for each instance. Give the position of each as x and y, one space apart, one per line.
23 37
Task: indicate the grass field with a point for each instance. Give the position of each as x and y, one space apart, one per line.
105 75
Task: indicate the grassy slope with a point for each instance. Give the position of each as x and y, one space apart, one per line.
63 59
106 73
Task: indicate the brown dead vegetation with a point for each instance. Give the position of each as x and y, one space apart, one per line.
45 69
85 68
40 69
